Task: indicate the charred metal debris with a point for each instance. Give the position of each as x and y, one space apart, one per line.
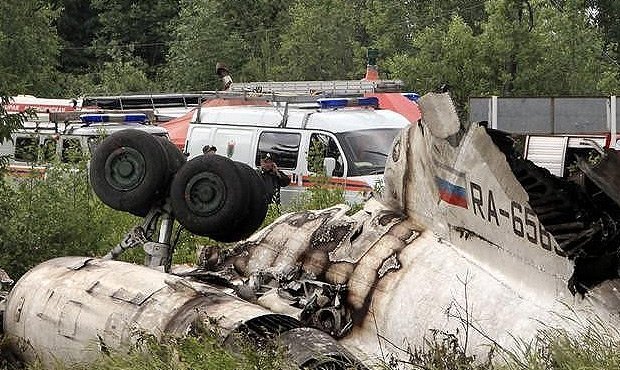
582 212
314 265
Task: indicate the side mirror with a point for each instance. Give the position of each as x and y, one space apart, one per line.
329 164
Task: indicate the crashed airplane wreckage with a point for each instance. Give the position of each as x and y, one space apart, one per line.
467 234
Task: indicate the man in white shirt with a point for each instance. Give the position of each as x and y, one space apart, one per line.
224 74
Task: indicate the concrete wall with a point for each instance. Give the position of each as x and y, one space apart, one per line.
545 114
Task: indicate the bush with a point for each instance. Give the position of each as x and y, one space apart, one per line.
56 215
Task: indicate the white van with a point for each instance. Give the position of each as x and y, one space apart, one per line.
41 142
353 141
559 153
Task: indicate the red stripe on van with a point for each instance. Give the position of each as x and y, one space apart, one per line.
24 171
354 185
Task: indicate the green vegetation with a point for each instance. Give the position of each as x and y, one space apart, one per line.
199 351
65 48
55 215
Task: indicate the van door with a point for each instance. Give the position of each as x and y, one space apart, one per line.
324 145
197 137
234 143
284 147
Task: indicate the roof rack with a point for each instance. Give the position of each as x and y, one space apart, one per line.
335 88
74 116
329 88
143 101
275 97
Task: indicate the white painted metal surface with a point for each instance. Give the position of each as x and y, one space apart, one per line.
548 152
67 310
465 253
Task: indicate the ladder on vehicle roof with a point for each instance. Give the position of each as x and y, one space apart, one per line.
280 90
330 88
318 101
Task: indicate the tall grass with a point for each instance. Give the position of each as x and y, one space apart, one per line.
589 344
42 218
200 351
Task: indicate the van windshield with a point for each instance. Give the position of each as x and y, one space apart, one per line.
367 150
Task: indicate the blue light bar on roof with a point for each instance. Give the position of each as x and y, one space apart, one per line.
113 117
412 96
334 103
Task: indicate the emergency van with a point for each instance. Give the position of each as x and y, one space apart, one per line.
43 142
348 138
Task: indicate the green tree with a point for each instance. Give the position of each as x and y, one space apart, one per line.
77 26
568 60
445 54
28 46
426 13
524 49
260 24
137 29
9 123
507 39
244 35
388 26
320 43
605 14
122 75
201 36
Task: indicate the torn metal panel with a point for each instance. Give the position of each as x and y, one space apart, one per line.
439 115
284 242
319 352
390 264
370 228
605 173
366 272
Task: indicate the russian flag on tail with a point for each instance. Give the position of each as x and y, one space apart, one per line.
451 185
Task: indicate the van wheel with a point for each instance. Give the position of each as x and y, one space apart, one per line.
207 194
128 170
254 213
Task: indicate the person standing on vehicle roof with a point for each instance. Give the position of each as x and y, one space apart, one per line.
224 74
273 178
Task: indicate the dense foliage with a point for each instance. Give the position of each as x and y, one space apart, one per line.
64 48
58 215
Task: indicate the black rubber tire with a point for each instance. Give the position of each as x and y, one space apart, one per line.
174 156
207 194
128 170
174 160
254 213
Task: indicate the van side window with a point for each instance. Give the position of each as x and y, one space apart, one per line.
324 146
49 149
93 142
71 150
283 147
26 149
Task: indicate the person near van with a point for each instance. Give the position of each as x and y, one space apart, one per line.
273 178
224 74
209 149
